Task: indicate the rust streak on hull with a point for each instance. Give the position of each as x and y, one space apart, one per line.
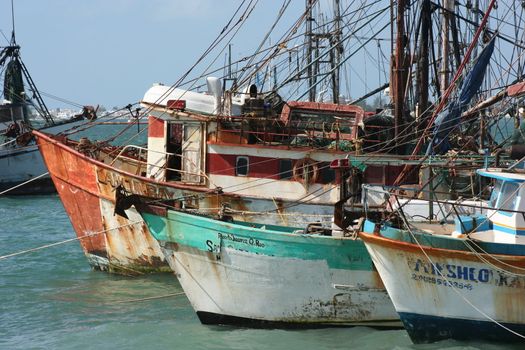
110 242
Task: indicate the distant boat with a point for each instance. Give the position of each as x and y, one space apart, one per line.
467 286
251 274
22 169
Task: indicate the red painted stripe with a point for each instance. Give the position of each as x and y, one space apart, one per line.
155 127
266 167
260 167
224 164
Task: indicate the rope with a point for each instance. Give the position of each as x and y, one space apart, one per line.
471 245
245 212
8 142
456 290
23 183
227 30
147 298
242 212
65 241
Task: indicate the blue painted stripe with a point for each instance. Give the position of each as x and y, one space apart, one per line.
498 176
426 329
450 243
509 230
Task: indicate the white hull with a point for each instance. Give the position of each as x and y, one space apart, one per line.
472 297
245 286
19 164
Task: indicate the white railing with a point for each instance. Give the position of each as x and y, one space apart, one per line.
415 208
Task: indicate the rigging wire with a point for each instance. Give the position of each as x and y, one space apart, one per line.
456 290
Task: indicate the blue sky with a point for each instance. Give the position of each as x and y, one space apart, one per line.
110 51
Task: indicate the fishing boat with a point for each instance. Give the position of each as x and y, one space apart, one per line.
466 284
194 161
265 159
261 275
22 169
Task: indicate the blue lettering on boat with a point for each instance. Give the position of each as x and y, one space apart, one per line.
463 273
466 273
233 238
462 277
503 279
437 269
451 272
420 263
484 275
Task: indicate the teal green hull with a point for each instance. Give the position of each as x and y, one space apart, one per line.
209 235
251 274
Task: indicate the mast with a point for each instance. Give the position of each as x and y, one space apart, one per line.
423 63
42 108
13 83
317 41
445 96
13 22
229 61
310 50
475 11
399 73
448 7
455 37
335 54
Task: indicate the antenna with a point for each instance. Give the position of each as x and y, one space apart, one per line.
13 22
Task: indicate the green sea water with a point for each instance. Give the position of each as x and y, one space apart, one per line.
51 299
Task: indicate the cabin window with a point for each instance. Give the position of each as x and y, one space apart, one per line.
495 194
285 169
241 166
509 196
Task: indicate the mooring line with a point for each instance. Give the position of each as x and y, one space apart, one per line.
8 142
459 293
23 183
147 298
65 241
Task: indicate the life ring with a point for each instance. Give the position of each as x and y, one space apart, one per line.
305 171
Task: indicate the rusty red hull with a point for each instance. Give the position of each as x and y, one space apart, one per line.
87 183
110 242
87 188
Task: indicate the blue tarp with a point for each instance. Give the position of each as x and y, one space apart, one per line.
448 120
